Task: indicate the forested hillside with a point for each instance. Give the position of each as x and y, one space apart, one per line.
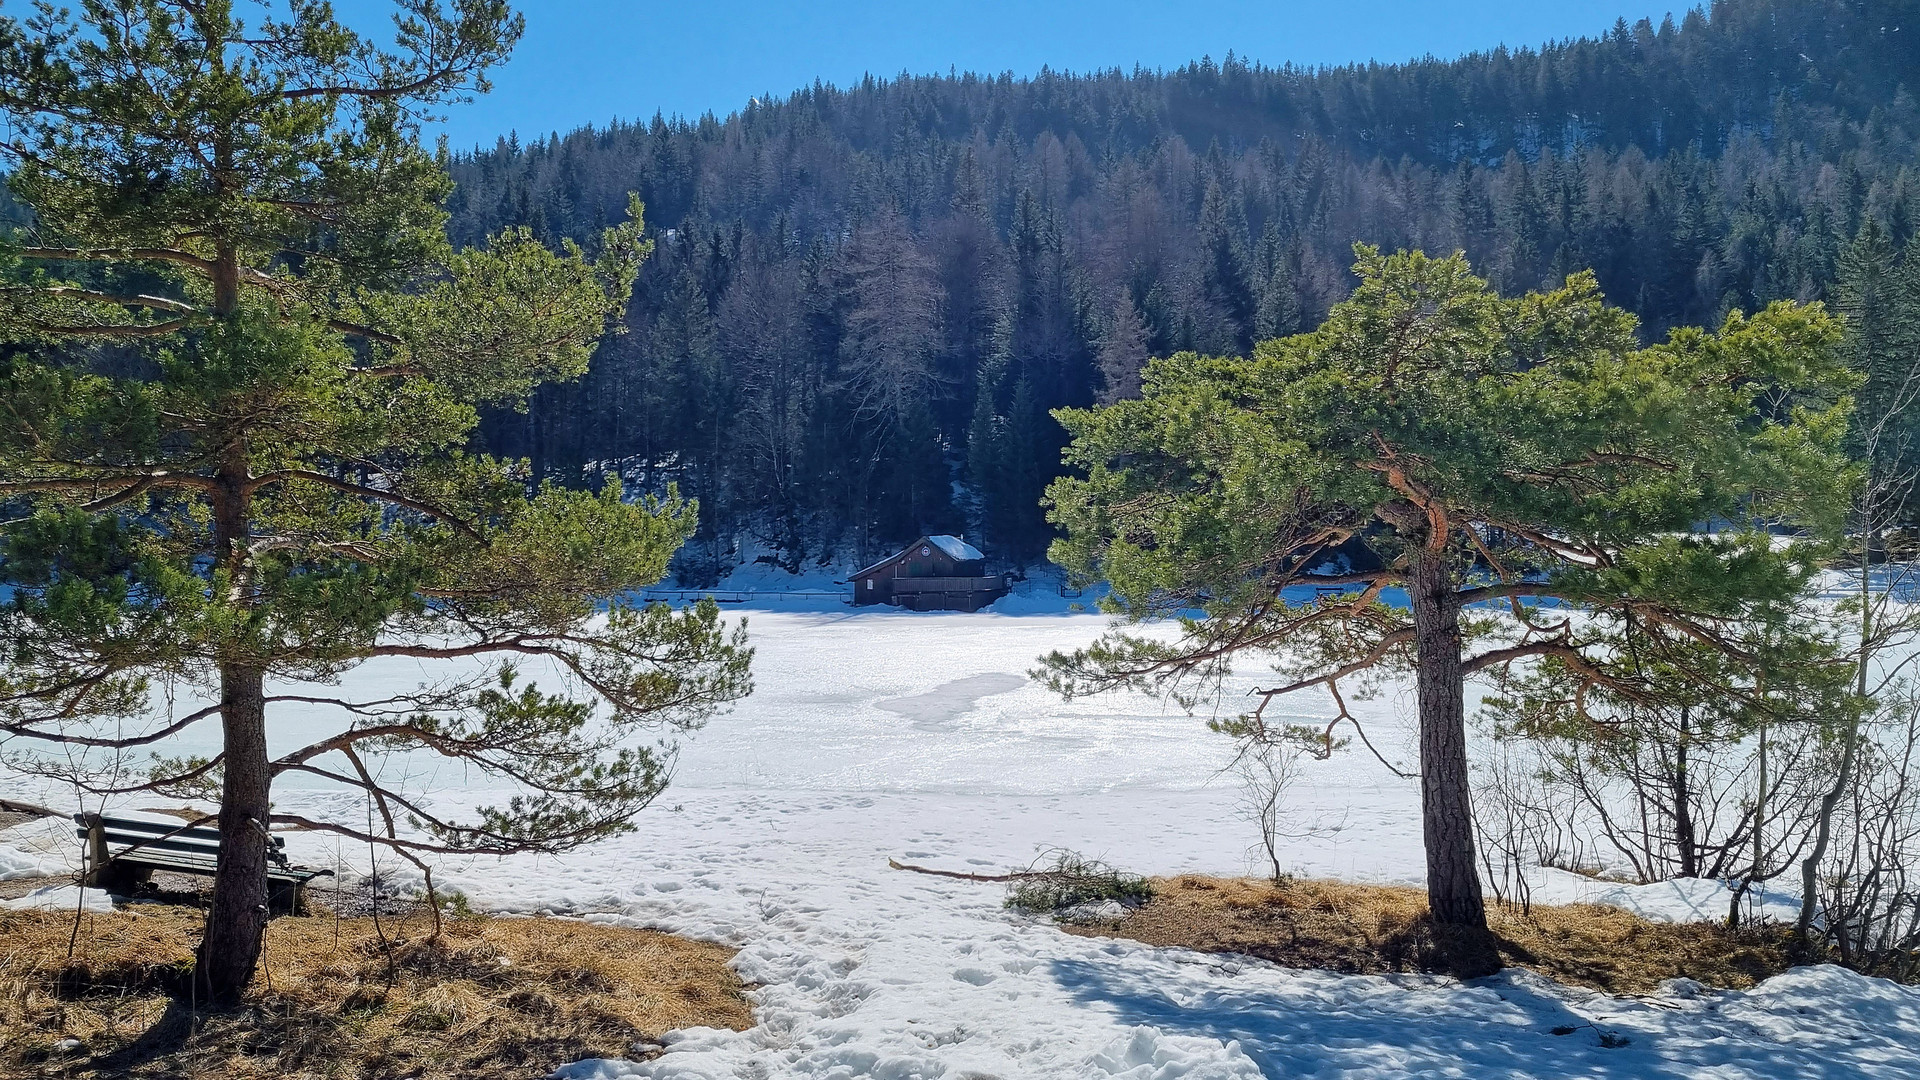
864 301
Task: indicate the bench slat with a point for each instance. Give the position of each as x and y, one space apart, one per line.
135 825
127 834
170 862
143 843
164 850
207 868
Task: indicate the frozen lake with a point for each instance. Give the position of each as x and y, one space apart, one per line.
878 734
881 702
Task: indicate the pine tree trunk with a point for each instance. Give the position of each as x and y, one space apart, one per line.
1446 811
237 919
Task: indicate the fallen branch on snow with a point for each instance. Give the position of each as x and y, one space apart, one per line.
1021 875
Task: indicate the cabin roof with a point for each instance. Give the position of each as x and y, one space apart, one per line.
952 546
957 549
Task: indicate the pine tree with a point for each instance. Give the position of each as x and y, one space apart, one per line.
1488 451
264 476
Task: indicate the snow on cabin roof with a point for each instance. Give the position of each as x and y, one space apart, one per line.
957 549
952 546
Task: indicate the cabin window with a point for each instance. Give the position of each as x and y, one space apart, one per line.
869 583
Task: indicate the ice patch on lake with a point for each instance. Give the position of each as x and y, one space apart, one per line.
952 700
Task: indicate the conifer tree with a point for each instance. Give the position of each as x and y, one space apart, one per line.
1877 294
1123 352
1224 271
1022 529
1485 454
242 368
984 434
1279 314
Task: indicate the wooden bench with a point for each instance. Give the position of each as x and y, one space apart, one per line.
122 853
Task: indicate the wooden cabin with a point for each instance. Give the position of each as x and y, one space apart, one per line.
934 573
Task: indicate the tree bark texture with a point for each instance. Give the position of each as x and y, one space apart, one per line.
1446 808
237 918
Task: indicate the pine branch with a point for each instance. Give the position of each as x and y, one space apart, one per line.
31 729
377 494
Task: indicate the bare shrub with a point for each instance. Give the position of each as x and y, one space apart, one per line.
1267 771
1868 897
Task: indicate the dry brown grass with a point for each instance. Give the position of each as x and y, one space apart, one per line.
488 998
1372 929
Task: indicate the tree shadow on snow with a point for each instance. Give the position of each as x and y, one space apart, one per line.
1298 1023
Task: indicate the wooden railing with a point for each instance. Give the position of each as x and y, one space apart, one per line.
947 584
743 596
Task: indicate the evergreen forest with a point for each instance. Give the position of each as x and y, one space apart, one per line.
865 302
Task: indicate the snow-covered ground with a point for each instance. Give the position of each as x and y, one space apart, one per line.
878 734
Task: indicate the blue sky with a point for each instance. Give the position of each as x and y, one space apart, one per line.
587 61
